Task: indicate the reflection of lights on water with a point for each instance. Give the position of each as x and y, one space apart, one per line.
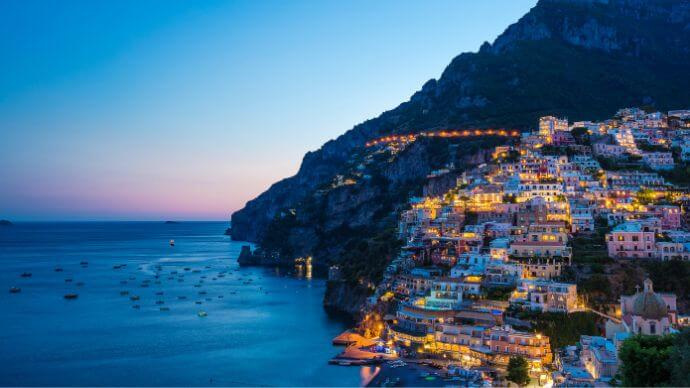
303 267
366 373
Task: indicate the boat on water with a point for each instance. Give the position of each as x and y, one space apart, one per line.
58 269
172 243
26 275
15 290
136 306
124 293
84 263
164 309
202 314
134 297
71 296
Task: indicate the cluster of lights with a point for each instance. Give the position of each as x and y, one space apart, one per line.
445 134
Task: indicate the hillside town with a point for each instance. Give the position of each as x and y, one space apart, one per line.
488 267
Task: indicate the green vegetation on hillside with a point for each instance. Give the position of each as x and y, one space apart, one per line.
656 360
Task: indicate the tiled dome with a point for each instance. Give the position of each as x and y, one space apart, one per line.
649 305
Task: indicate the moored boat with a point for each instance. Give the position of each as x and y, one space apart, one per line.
71 296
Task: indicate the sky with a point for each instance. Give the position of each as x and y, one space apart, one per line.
185 110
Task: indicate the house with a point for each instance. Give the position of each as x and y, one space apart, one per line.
632 240
658 161
599 356
546 296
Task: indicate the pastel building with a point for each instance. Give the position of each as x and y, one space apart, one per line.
632 240
645 312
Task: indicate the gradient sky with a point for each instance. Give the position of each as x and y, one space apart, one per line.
151 110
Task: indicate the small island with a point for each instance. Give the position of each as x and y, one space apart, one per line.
171 222
5 223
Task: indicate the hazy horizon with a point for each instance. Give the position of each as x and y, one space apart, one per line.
166 110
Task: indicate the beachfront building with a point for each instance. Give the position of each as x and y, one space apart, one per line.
491 345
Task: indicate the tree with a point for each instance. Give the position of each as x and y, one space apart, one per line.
679 361
518 370
646 360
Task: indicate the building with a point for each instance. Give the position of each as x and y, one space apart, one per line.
631 240
548 125
546 296
599 356
645 312
658 161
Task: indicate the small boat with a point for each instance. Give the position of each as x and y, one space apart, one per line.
199 302
172 243
134 297
164 309
159 293
202 314
84 263
202 292
15 290
26 275
58 269
220 297
71 296
136 306
124 293
160 302
68 280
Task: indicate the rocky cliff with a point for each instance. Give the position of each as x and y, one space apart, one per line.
580 59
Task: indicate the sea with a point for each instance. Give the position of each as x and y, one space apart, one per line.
150 314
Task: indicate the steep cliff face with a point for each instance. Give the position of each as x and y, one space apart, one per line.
581 59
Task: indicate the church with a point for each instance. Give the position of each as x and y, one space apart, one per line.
646 312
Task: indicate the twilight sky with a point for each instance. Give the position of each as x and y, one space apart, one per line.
152 110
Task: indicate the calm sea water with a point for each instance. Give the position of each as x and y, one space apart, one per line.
270 330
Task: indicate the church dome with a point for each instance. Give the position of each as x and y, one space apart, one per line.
648 304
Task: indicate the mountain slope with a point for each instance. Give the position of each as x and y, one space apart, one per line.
581 59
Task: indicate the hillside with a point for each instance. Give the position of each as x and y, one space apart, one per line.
580 59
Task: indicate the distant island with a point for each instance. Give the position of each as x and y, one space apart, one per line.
6 223
172 222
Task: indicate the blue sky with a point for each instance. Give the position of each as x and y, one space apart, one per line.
143 110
